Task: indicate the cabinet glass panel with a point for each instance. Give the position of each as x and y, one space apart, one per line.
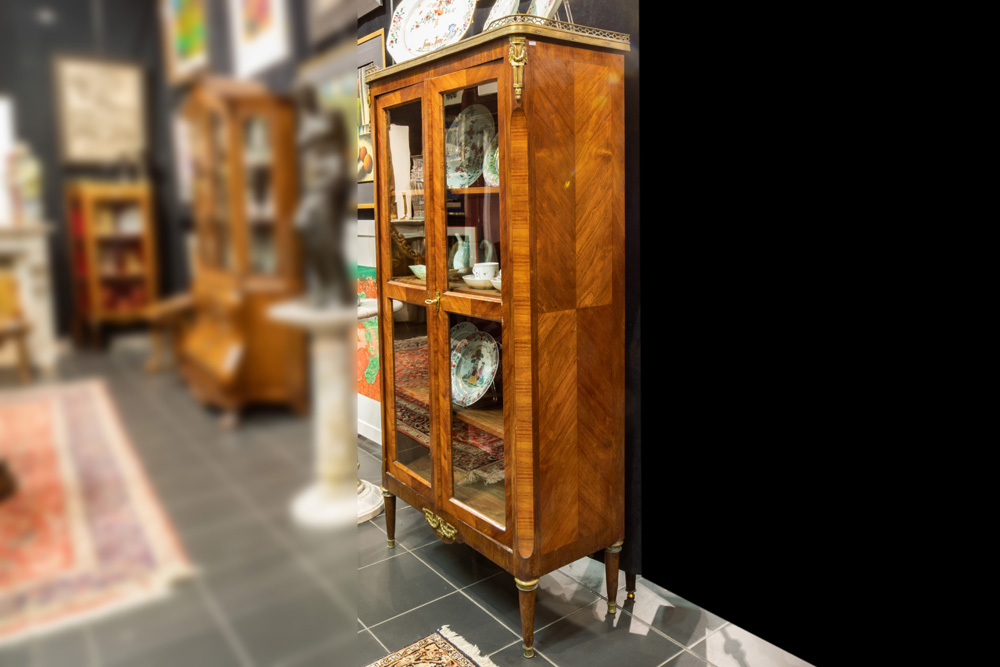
472 201
219 242
259 179
477 443
406 192
412 381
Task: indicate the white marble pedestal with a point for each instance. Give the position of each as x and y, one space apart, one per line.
337 494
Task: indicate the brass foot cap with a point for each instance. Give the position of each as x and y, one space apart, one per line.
631 595
391 543
529 651
612 607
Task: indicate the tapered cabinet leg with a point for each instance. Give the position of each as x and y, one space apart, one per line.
390 518
630 585
611 572
526 593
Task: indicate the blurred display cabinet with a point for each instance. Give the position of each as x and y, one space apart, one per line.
113 254
247 256
500 219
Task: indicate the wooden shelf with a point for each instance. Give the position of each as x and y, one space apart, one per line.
118 238
490 418
474 191
461 287
123 276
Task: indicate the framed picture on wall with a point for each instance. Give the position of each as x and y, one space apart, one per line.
184 24
100 110
371 58
259 30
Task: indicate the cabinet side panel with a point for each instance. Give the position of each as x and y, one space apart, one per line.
557 440
578 221
594 173
551 126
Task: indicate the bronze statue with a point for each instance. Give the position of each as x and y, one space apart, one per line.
323 210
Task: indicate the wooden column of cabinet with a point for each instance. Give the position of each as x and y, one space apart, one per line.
551 427
112 253
242 141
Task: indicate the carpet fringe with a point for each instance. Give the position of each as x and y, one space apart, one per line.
465 647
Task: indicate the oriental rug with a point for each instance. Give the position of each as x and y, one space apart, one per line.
84 534
478 455
444 648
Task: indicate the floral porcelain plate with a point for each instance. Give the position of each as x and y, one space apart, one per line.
544 8
491 164
461 331
500 9
474 364
422 26
466 143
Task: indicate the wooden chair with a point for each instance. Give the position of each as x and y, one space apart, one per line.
12 324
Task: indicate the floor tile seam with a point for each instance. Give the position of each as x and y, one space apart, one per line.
682 652
725 624
242 654
302 563
375 625
487 611
380 642
377 458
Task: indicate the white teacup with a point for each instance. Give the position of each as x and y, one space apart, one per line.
485 270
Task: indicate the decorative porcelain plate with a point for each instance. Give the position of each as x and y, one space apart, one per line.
422 26
491 164
474 364
461 331
544 8
466 142
500 9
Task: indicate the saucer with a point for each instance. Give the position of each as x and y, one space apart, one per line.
478 283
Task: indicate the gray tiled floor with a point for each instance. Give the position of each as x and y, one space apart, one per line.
268 592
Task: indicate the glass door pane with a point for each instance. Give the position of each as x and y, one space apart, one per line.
406 193
472 176
478 449
259 179
411 371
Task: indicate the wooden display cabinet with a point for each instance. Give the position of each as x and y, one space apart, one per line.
113 254
247 257
503 410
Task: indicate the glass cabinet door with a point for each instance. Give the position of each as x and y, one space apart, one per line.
259 193
468 258
412 430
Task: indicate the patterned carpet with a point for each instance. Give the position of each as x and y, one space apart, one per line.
444 648
477 454
84 534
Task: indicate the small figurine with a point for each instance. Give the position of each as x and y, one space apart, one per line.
322 211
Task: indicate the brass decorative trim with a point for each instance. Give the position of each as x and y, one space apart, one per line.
517 57
536 27
527 19
385 493
631 595
615 548
612 607
391 544
529 651
444 529
526 586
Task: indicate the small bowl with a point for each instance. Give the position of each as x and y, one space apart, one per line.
419 270
477 283
496 283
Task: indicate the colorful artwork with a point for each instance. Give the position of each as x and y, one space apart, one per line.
260 38
258 17
185 31
368 362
